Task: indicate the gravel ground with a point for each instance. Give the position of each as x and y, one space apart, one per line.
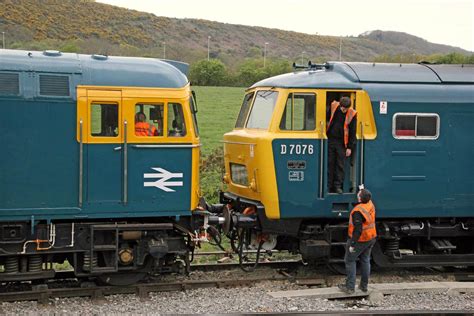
248 299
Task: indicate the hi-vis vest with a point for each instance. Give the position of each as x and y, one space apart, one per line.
350 114
368 227
144 129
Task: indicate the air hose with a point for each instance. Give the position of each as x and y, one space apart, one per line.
240 252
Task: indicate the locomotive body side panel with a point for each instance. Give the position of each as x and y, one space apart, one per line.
422 177
39 162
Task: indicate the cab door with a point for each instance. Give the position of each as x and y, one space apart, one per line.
355 164
104 149
161 155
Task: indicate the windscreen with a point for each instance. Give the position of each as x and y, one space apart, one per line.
262 109
244 110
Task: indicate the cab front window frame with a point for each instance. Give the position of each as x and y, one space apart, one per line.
299 117
262 109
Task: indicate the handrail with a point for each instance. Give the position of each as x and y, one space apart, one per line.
321 162
168 146
81 161
362 153
125 163
237 143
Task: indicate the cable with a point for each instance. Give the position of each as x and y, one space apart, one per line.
241 247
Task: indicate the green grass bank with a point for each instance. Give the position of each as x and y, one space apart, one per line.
218 108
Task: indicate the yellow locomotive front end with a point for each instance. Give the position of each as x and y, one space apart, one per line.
249 148
276 156
276 164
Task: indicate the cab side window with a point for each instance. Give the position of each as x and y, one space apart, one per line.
415 126
104 120
300 113
176 124
149 119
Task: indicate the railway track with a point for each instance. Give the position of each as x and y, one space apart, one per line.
71 287
98 292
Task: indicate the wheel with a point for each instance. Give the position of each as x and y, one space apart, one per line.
122 279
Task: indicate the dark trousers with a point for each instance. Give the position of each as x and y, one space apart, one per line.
336 159
362 251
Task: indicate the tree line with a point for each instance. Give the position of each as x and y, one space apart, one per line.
214 72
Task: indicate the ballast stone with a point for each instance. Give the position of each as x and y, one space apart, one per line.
382 288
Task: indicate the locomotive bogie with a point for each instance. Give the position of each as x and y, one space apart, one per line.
93 248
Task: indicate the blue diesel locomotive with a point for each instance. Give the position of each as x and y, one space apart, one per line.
414 150
99 165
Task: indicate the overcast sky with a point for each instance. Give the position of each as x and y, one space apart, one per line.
439 21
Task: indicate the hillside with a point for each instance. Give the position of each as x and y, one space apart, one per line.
90 27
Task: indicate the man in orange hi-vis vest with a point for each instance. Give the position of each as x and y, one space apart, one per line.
341 132
142 127
362 235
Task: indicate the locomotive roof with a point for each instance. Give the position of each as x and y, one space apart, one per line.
350 75
99 70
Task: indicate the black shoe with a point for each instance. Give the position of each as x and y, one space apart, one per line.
363 289
339 191
345 289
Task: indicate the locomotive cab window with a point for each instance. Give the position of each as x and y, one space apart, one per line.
193 108
149 120
415 126
299 114
262 109
244 110
176 124
104 120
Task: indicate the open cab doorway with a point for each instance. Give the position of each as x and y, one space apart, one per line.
354 164
351 174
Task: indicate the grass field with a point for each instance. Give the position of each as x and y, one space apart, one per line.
218 108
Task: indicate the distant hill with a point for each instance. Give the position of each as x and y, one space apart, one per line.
411 43
90 27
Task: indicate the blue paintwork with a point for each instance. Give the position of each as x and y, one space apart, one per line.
408 178
421 178
150 199
344 78
39 160
87 70
295 199
299 199
104 173
340 75
39 154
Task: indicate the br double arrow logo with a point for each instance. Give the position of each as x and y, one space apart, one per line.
163 176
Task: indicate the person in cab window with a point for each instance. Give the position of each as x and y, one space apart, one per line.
362 234
142 127
176 129
341 132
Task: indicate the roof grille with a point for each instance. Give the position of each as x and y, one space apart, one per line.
52 85
9 83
